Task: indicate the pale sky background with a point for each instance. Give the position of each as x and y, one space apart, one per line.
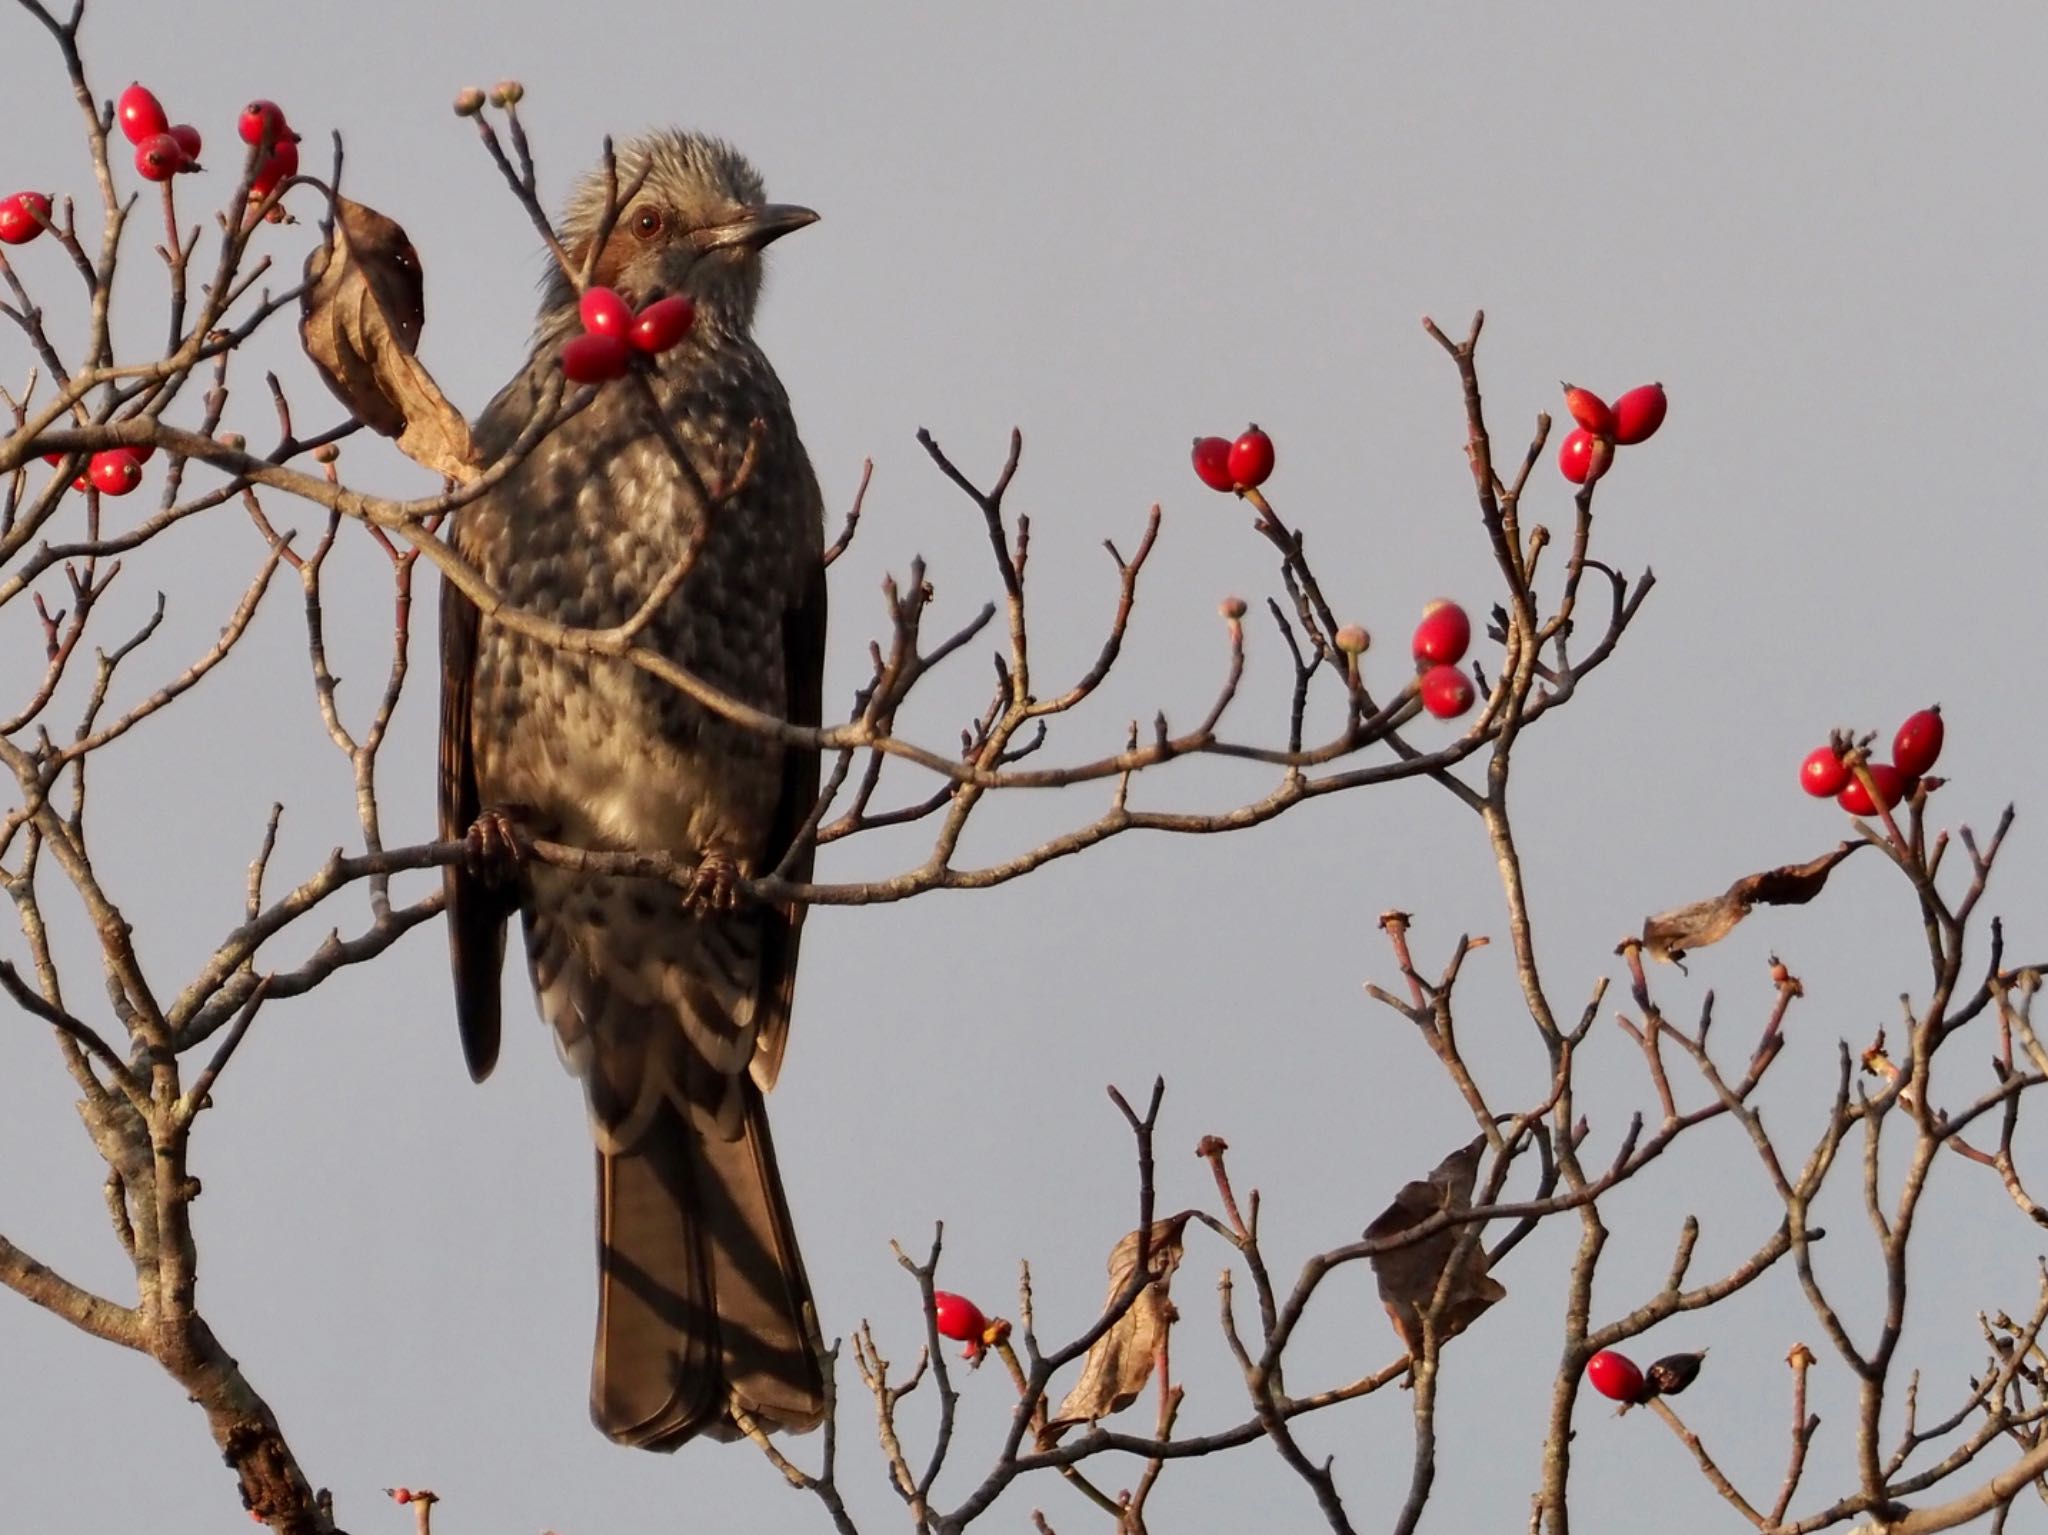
1117 227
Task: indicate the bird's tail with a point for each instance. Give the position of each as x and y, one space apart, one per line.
701 1291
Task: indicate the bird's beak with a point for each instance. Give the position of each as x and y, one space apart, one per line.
756 226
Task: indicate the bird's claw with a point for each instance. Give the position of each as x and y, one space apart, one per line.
491 849
714 887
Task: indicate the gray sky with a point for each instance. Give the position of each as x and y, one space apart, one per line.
1117 227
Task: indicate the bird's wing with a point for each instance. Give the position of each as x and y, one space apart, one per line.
477 913
803 660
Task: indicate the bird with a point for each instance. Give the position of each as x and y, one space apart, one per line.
672 1005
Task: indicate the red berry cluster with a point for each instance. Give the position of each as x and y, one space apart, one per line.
1241 465
1914 749
1616 1376
114 472
1439 645
161 151
1588 451
262 122
612 333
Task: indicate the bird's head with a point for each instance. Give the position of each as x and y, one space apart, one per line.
697 226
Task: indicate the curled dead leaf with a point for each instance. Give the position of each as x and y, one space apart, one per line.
1121 1360
1671 934
1409 1276
359 322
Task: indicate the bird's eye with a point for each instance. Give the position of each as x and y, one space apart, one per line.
647 223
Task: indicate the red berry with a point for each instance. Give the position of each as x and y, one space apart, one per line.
1822 774
1639 413
1443 634
593 357
19 223
401 1494
53 458
115 472
281 165
143 453
1891 788
159 158
1446 692
604 312
958 1317
1615 1376
260 117
1584 457
1212 463
1918 742
188 140
1589 410
81 483
1251 458
140 114
663 323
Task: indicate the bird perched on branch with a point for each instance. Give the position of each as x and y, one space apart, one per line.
672 1004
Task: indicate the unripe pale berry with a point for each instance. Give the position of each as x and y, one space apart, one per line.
1639 413
1353 640
594 357
140 114
1212 463
663 323
1444 633
1232 608
1251 458
469 101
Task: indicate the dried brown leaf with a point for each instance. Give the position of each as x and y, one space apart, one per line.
1670 935
359 321
1409 1276
1120 1363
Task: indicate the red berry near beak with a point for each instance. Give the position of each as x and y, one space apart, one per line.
1918 742
1443 634
663 323
140 114
1615 1376
1822 774
1589 410
594 357
1212 463
1639 413
1251 458
604 313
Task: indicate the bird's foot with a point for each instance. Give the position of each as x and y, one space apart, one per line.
715 887
492 849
